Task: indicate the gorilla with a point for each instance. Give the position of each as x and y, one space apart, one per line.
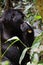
13 24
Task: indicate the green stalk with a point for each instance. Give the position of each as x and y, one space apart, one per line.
11 45
22 43
8 48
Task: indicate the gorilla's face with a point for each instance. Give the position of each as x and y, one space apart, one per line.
28 33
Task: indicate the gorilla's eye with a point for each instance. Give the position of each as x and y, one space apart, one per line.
29 31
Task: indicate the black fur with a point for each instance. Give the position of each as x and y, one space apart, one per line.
13 25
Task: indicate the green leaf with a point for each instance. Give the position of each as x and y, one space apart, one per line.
27 8
23 55
13 38
36 44
5 63
38 39
35 59
37 17
8 48
28 63
40 64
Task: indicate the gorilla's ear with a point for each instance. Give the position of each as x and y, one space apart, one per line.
24 27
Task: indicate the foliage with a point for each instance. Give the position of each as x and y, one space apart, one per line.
34 52
5 63
39 5
32 16
15 40
23 55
